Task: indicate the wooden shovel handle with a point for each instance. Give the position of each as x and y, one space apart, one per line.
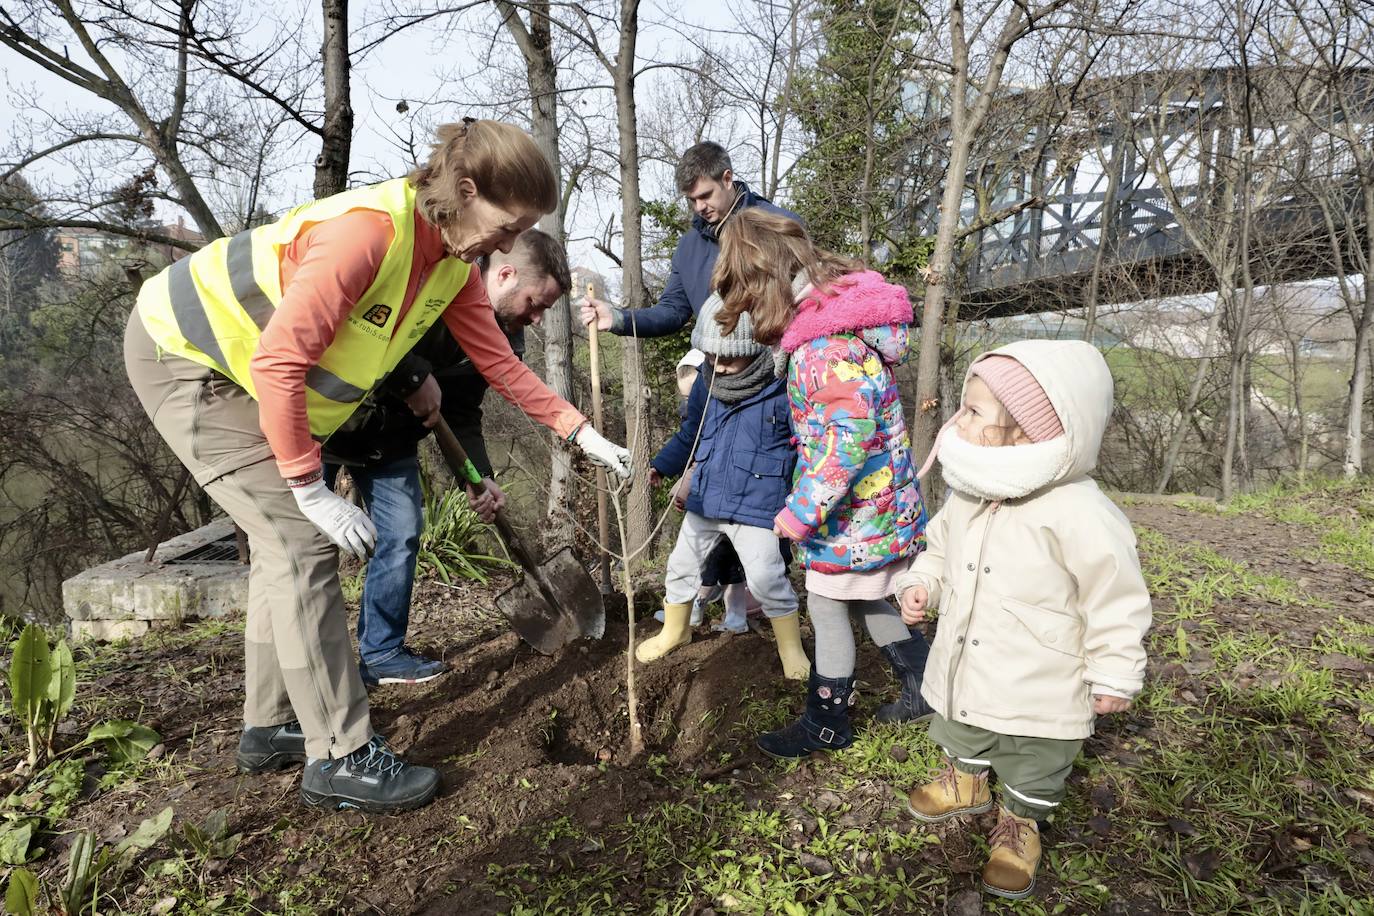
603 519
463 468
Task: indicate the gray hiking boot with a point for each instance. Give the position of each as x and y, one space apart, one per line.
263 749
372 779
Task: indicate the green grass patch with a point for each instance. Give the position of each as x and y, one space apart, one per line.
1228 797
1195 578
1340 513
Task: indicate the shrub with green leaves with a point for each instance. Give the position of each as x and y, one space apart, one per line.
448 545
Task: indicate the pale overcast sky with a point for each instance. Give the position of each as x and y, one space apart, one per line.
407 66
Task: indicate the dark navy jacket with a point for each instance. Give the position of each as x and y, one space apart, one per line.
384 430
744 460
689 281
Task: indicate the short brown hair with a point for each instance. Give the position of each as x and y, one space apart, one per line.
502 161
760 253
535 255
704 160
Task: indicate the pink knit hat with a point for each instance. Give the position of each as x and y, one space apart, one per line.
1013 385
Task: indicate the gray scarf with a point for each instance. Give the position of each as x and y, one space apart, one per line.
731 389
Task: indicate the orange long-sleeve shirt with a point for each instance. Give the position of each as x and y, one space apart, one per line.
324 273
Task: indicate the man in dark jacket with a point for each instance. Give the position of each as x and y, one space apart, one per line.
705 176
378 446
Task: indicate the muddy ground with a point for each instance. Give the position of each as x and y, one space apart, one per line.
539 784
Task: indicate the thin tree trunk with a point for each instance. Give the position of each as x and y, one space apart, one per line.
536 45
1299 406
1353 461
938 276
865 193
1106 239
784 103
964 123
639 510
1237 402
331 166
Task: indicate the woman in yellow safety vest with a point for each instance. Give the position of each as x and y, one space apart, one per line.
250 351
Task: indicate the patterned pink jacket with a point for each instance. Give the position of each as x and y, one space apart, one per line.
855 503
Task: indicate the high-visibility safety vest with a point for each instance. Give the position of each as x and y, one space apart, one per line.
211 307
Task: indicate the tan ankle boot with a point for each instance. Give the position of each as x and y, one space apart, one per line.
787 630
1015 856
953 793
675 633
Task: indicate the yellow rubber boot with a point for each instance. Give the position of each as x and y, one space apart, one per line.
787 631
1014 858
675 633
952 794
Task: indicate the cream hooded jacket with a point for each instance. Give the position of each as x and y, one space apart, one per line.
1041 597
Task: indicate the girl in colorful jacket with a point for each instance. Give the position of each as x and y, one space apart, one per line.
855 507
735 439
1043 609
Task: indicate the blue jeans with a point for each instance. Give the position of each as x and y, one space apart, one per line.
392 496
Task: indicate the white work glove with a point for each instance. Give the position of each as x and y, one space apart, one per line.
604 452
341 521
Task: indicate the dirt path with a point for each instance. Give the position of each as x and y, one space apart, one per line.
1267 547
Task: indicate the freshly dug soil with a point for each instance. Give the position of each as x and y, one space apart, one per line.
521 740
524 741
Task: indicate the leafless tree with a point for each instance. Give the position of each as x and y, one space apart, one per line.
336 128
979 40
186 91
533 35
1327 52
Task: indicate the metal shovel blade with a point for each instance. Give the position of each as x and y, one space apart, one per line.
577 592
548 628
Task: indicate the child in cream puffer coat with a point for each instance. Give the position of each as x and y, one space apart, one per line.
1043 608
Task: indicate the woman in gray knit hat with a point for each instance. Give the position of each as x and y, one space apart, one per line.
736 443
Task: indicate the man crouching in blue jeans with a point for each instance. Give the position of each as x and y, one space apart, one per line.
379 443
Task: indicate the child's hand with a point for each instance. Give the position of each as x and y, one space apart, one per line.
914 605
783 534
655 479
1103 704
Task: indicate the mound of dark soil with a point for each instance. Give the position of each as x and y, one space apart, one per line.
522 740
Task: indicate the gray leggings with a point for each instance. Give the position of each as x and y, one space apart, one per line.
835 636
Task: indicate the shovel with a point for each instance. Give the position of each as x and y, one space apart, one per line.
556 601
603 522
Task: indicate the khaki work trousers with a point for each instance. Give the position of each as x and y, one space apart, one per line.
298 660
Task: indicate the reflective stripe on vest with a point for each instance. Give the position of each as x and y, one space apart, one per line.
212 306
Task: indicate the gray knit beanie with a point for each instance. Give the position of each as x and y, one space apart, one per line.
708 337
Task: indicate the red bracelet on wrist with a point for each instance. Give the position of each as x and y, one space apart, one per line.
305 480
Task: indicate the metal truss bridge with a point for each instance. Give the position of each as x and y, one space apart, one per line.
1096 197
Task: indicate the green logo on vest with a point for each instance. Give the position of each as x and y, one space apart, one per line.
378 315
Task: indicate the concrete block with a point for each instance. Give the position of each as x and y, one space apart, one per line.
128 596
108 630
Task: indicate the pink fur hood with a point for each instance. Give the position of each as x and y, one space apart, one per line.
856 303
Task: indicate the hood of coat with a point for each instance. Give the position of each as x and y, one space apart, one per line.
1079 385
860 303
